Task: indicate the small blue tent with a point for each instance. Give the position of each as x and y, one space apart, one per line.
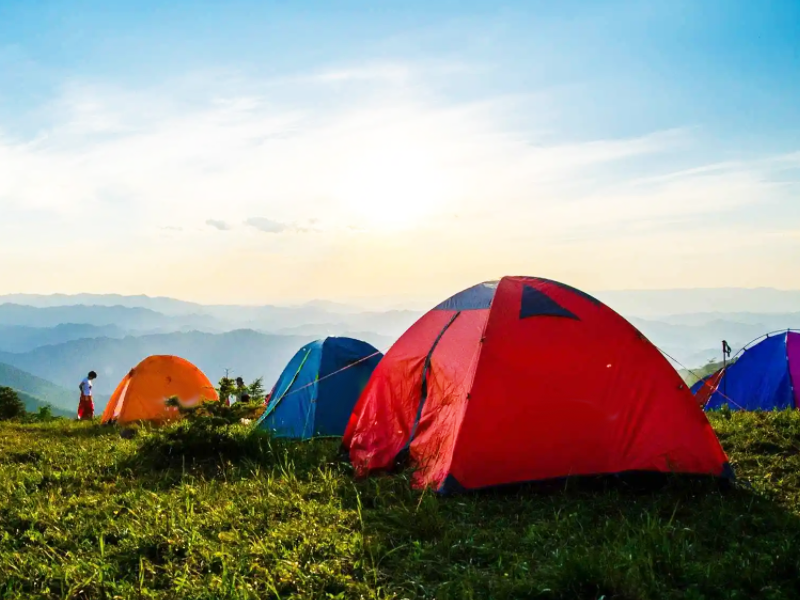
319 388
765 376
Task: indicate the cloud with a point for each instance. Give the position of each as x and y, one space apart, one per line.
217 224
383 169
266 225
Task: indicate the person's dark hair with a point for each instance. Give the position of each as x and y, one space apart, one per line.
92 375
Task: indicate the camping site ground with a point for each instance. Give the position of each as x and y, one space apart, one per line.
225 512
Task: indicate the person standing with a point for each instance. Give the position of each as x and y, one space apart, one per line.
86 403
242 393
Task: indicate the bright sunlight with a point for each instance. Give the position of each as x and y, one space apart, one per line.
393 187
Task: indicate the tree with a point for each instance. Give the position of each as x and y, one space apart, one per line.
11 407
226 389
45 413
256 389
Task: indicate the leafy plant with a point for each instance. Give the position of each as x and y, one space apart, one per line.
226 388
257 389
216 414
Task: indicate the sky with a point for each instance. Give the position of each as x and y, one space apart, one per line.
257 151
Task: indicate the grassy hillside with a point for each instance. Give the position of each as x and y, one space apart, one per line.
229 514
38 389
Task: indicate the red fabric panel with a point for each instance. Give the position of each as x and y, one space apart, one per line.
453 366
708 388
554 397
382 419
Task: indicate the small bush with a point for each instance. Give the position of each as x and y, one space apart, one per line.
11 407
215 414
201 440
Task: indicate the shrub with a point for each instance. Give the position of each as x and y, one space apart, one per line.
215 414
11 407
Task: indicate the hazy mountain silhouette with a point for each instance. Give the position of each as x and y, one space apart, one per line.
212 319
21 338
167 306
689 325
642 303
247 353
35 391
694 339
659 303
132 319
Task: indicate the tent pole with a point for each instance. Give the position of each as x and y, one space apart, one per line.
724 367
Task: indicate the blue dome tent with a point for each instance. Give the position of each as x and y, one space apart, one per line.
316 392
764 376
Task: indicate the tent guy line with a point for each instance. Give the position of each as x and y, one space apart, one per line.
688 370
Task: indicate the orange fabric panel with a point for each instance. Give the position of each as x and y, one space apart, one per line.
142 394
114 400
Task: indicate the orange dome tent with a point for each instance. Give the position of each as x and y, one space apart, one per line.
142 393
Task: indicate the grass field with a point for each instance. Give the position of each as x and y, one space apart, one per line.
226 513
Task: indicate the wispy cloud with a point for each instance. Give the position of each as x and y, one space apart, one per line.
217 224
380 176
266 225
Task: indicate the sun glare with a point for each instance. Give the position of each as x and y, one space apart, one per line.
391 188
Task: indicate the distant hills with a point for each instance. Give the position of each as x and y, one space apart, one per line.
641 303
247 353
60 337
124 317
190 317
696 338
22 338
661 303
35 391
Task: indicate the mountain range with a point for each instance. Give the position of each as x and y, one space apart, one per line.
23 338
36 392
245 353
664 303
641 303
140 320
57 339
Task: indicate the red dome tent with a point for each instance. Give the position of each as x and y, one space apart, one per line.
527 379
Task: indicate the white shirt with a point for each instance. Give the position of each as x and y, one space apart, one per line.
86 387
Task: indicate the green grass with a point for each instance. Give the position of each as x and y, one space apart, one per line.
227 513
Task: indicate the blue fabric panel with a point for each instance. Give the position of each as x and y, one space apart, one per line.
538 304
696 387
699 384
290 412
758 380
343 374
478 297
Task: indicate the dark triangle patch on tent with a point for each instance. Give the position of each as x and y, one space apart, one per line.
538 304
575 291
